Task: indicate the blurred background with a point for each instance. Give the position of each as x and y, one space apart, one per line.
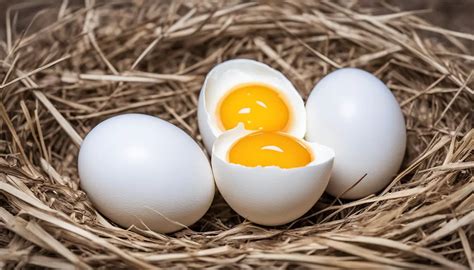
455 15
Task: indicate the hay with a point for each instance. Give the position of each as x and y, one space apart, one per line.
73 66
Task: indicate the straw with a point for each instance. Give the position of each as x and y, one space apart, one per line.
66 66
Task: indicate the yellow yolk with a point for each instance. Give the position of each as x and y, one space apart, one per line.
269 149
257 106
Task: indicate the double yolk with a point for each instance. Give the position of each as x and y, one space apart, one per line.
261 109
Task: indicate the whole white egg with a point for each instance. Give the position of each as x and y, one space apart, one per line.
143 171
354 113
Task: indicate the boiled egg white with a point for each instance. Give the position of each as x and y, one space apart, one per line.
270 178
140 170
252 93
354 113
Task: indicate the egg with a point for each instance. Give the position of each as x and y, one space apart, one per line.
140 170
249 92
354 113
270 178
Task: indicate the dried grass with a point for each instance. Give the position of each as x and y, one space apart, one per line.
74 66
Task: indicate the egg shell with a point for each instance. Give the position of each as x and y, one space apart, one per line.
225 76
354 113
143 171
270 195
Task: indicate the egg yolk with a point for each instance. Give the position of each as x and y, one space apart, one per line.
264 148
257 106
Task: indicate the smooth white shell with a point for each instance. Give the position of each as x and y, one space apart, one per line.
140 170
354 113
223 77
270 195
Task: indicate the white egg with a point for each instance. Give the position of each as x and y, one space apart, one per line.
227 75
354 113
143 171
269 195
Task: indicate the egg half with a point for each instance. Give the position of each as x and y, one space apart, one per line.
140 170
249 92
354 113
270 178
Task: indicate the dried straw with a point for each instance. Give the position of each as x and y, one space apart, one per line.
68 67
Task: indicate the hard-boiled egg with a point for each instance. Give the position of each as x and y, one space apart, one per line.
252 93
269 177
353 112
143 171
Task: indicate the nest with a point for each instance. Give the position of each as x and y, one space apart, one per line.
68 67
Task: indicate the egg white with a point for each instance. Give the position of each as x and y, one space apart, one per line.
225 76
270 195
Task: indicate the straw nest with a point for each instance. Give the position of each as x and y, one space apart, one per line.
68 67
